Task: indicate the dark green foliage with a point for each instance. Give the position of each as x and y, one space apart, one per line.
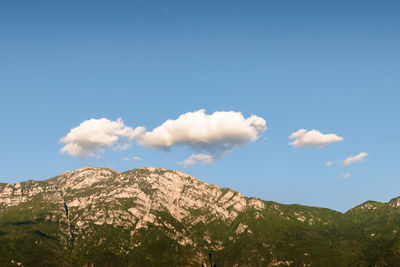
37 232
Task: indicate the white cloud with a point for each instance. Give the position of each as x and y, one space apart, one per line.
215 134
202 158
329 163
313 138
333 162
93 136
133 158
345 175
350 160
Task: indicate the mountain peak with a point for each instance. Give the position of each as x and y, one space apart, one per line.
155 217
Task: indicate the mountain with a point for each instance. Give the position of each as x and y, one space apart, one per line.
159 217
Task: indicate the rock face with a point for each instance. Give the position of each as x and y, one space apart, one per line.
159 217
100 194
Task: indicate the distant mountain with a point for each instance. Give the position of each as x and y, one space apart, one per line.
160 217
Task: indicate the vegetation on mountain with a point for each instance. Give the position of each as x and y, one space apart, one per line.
159 217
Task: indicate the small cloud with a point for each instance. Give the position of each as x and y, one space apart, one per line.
202 158
314 139
329 163
345 175
93 136
350 160
133 158
332 162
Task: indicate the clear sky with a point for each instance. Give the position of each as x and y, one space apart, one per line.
332 66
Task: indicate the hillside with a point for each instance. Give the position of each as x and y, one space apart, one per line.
158 217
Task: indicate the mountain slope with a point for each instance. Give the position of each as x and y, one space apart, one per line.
159 217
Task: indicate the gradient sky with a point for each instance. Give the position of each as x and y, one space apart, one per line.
333 66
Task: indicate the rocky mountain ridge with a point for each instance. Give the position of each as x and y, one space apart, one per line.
156 189
156 217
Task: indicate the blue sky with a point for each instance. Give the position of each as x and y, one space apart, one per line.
332 66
